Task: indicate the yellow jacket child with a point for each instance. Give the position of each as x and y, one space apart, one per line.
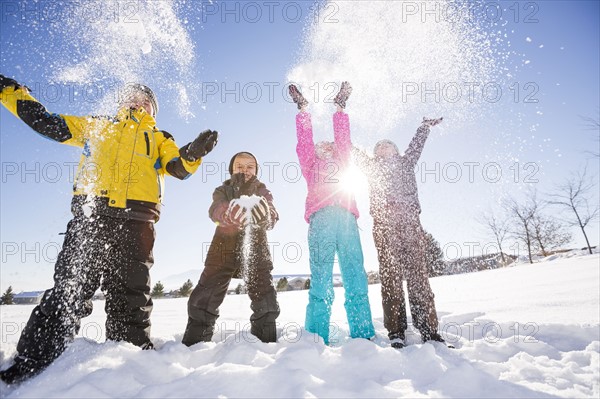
109 241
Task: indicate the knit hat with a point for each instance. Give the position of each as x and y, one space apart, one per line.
136 88
242 153
381 143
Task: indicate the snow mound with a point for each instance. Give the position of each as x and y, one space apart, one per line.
524 331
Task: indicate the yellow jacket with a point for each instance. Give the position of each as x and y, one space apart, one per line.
124 160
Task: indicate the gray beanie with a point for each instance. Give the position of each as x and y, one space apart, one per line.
385 142
135 88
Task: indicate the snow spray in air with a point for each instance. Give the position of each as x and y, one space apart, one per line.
136 42
246 203
404 59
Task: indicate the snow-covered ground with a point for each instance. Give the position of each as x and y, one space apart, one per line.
522 331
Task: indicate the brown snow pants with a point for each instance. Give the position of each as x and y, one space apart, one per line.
400 242
97 251
223 262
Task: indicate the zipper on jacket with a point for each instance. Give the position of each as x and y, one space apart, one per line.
159 186
147 143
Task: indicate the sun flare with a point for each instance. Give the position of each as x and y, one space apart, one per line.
354 181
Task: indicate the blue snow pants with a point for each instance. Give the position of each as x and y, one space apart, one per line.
333 230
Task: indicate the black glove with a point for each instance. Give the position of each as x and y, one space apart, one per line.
236 215
260 213
8 82
202 145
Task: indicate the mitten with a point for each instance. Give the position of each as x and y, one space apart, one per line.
260 213
202 145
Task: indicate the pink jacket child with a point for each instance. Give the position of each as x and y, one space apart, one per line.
331 213
323 176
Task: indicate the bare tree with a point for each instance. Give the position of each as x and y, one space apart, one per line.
593 124
522 215
535 229
549 233
499 228
575 194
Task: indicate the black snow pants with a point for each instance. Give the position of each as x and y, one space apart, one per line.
97 251
400 242
224 261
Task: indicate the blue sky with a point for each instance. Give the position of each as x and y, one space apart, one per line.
558 55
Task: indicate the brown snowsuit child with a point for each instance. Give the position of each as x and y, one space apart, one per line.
399 236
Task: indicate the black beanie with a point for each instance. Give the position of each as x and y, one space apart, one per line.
242 153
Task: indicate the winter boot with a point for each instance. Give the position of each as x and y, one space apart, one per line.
22 370
197 331
343 95
435 337
266 332
297 97
397 341
148 346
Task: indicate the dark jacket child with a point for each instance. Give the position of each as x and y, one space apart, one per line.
243 210
399 237
109 241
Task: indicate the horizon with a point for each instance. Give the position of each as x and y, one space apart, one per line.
276 277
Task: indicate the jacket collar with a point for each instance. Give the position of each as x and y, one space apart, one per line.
136 115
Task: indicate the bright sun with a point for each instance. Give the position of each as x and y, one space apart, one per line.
354 181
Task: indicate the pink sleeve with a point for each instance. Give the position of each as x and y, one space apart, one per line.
341 134
306 146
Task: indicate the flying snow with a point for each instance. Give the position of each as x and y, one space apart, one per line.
400 65
143 42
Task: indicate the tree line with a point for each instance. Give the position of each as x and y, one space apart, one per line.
158 291
540 222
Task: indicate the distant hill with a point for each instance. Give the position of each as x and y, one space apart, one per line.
175 281
477 263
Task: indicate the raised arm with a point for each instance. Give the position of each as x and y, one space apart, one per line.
65 129
415 148
182 162
341 136
306 146
170 158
